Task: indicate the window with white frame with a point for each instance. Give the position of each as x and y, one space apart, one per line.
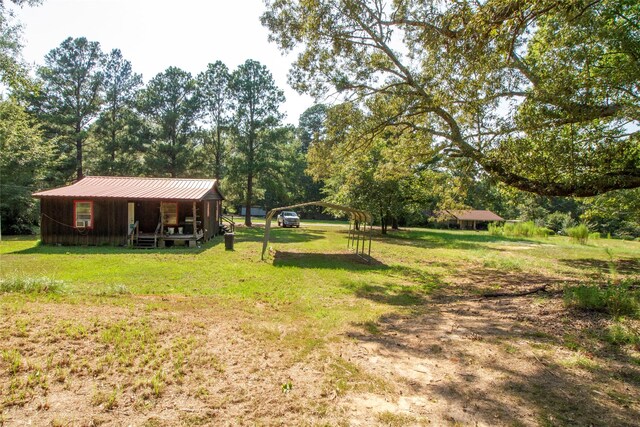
83 214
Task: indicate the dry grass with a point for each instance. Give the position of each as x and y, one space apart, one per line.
315 339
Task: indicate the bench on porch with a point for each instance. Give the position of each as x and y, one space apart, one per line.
190 240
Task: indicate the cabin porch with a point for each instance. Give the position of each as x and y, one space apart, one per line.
159 224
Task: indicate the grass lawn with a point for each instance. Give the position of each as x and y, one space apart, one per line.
315 336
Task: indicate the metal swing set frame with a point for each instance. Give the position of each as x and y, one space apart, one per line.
360 225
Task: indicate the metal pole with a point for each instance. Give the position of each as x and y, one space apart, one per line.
361 235
370 234
349 235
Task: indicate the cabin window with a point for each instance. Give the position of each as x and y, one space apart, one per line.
83 214
208 209
170 213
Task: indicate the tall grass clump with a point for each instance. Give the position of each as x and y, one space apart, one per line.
31 285
114 290
495 230
623 334
579 233
621 299
519 229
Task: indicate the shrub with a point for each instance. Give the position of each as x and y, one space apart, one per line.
558 221
519 229
31 285
628 230
580 233
621 334
619 300
495 230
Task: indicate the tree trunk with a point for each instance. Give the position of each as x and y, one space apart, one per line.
218 154
79 172
394 223
247 214
383 222
174 158
113 138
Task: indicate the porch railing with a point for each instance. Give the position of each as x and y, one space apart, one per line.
226 219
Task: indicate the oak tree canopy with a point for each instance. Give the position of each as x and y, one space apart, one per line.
543 95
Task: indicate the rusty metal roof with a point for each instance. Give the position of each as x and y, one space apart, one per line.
475 215
134 188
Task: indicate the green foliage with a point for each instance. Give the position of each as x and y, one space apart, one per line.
495 229
579 233
519 229
170 104
31 285
25 157
71 98
622 299
457 64
13 73
311 126
215 96
616 213
373 181
256 139
621 333
559 222
118 134
287 387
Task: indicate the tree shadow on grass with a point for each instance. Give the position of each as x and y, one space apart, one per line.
279 235
473 282
497 363
407 286
627 266
391 293
334 261
431 239
42 249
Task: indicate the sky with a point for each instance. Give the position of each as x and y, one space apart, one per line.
157 34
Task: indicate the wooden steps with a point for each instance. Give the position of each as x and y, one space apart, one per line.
145 242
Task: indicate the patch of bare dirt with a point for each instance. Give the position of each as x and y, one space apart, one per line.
454 359
155 361
465 360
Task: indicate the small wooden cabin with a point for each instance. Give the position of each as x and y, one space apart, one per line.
142 212
469 219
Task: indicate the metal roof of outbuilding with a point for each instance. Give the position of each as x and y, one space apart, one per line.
475 215
134 188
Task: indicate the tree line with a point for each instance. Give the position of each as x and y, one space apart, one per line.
88 112
459 119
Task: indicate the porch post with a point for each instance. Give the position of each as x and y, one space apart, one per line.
195 227
161 220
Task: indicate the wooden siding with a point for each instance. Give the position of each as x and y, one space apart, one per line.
109 223
210 222
111 219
